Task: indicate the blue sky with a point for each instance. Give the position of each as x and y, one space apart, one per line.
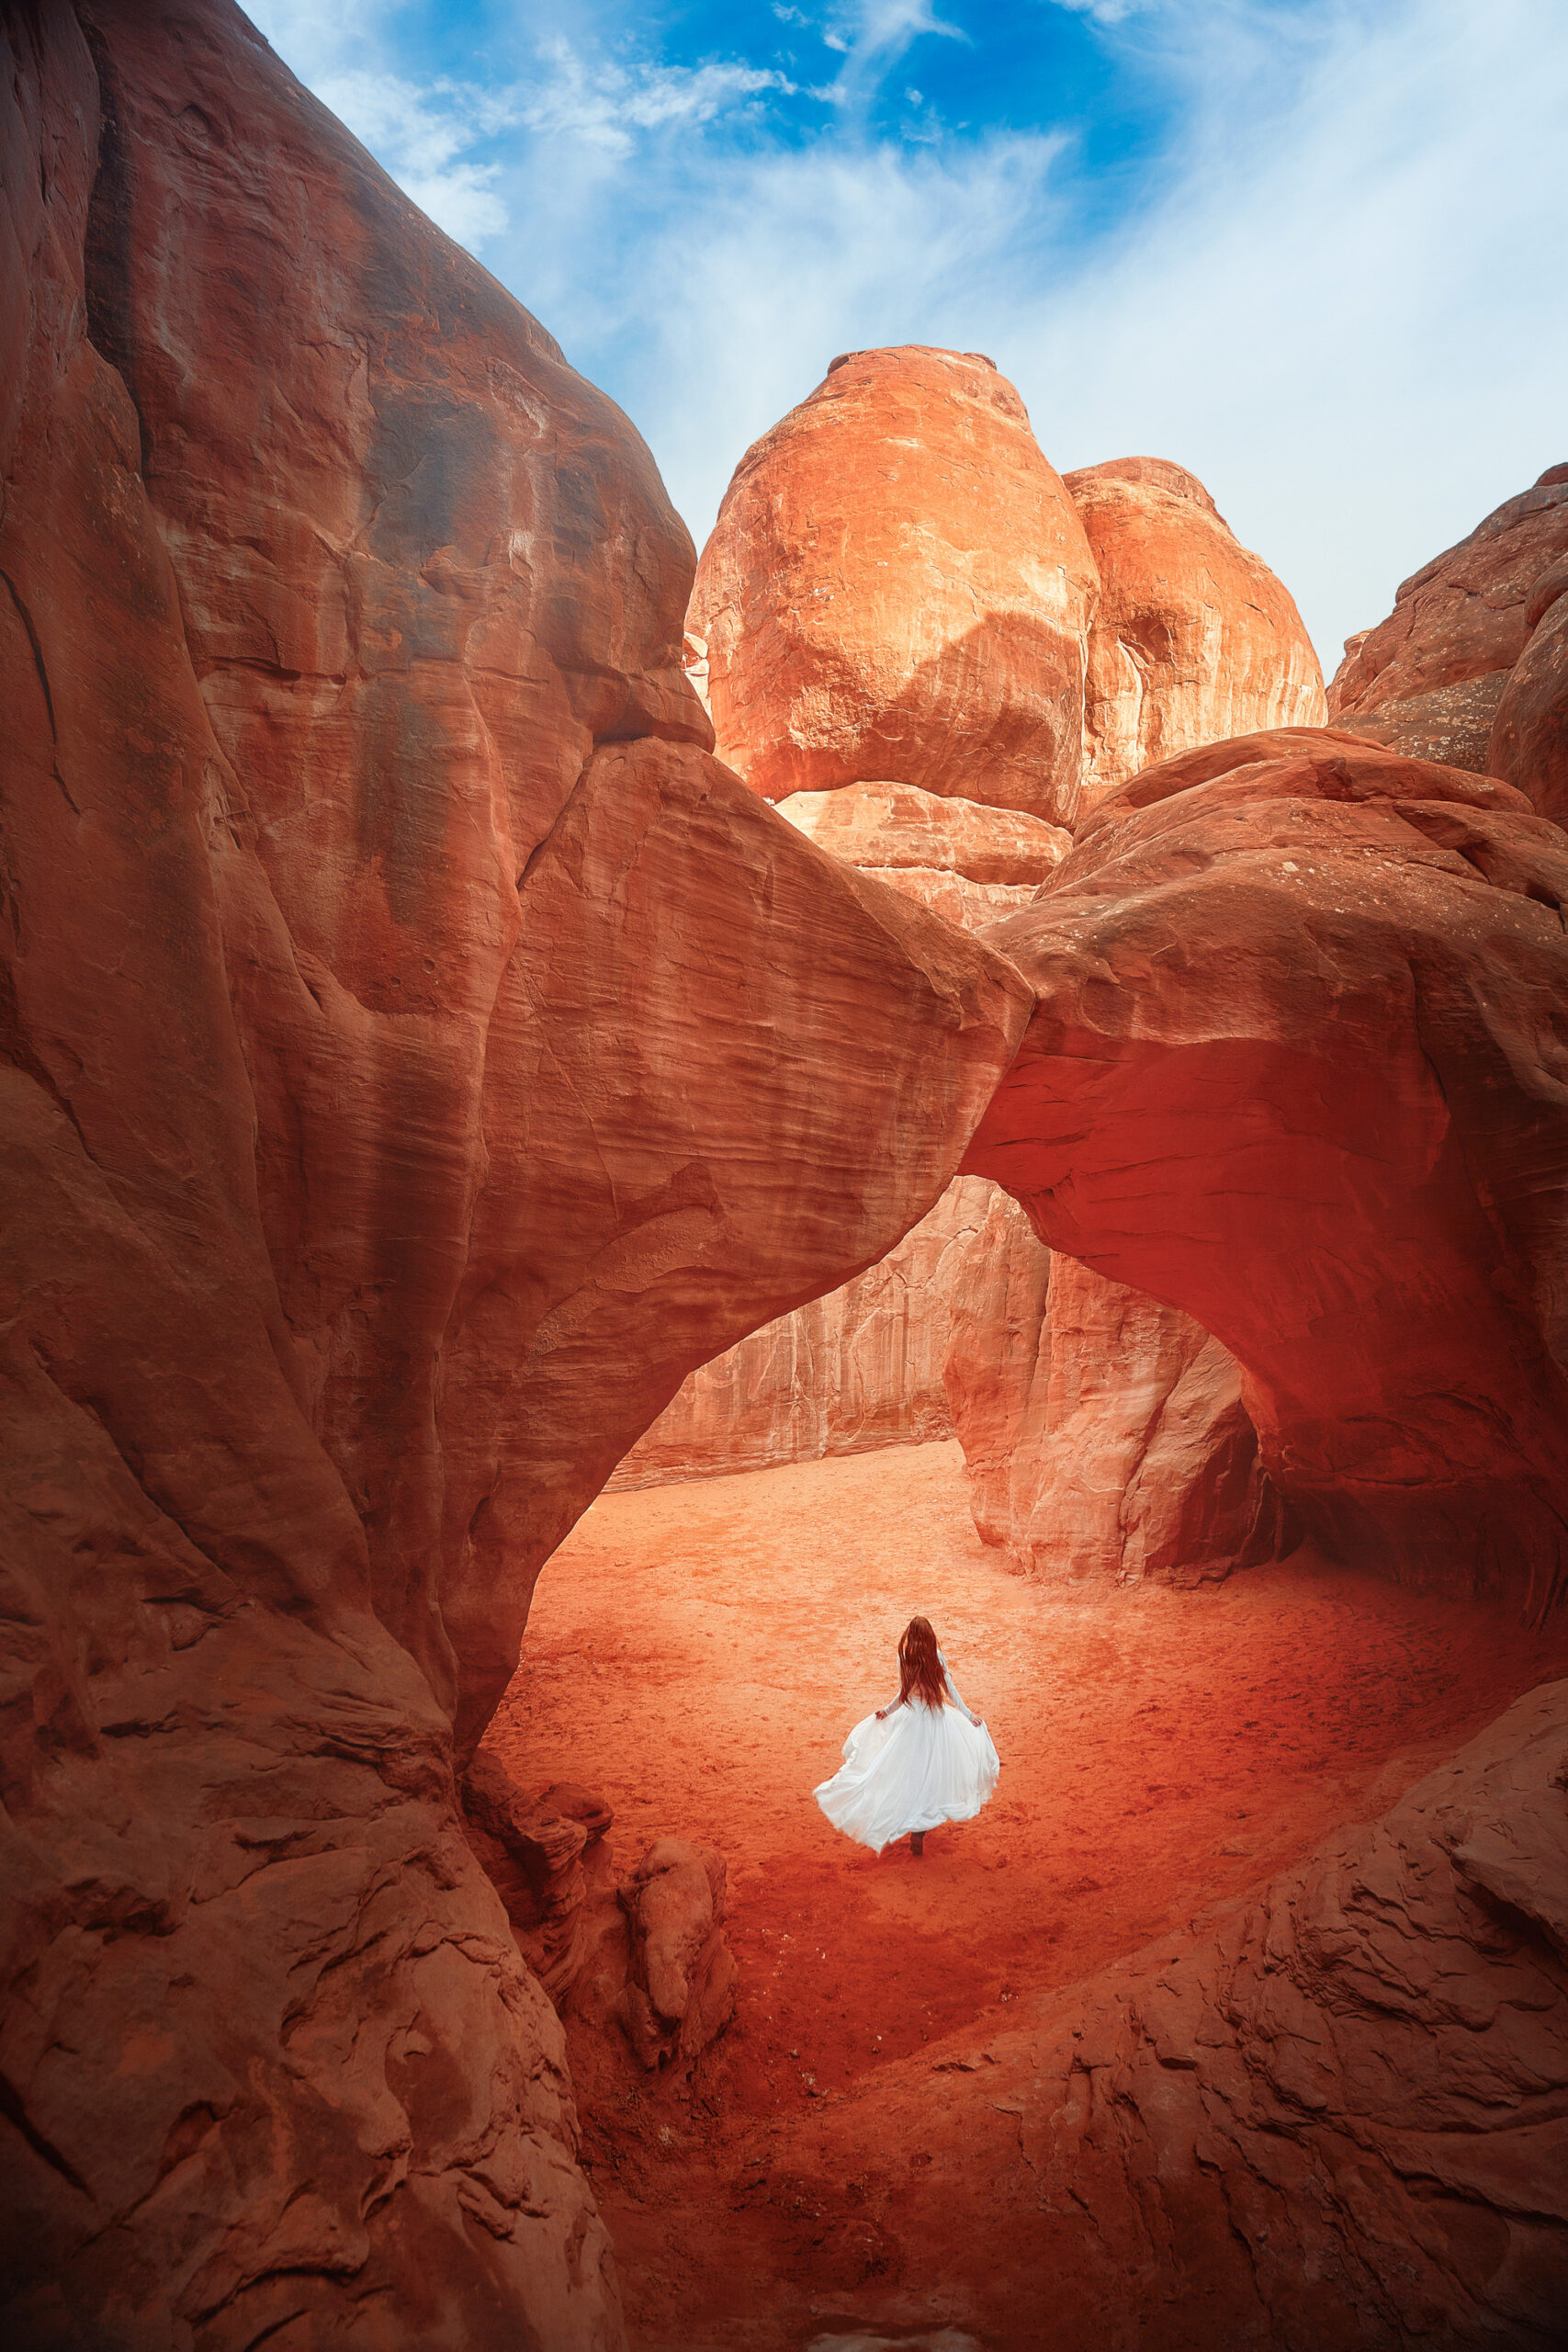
1313 252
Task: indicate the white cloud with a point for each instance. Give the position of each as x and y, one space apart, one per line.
1349 319
419 135
1339 302
1103 12
1335 291
603 102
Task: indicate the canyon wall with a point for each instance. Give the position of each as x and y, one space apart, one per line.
418 1052
1529 732
1430 679
1193 638
1321 990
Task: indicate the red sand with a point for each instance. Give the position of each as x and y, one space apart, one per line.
697 1653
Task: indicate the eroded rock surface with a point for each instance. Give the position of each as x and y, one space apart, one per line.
1103 1431
395 1111
680 1992
1297 1071
863 1366
897 585
1529 733
1194 637
532 1850
1429 679
1330 2118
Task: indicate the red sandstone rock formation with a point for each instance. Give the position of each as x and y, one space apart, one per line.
1104 1432
1294 1071
898 585
968 862
533 1851
680 1992
1194 637
1529 734
1428 680
864 1366
412 1034
1326 2118
861 1368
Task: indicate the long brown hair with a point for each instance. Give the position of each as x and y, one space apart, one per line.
920 1673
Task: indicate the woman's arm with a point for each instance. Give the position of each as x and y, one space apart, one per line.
883 1712
957 1695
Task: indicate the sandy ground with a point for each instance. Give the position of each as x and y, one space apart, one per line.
697 1654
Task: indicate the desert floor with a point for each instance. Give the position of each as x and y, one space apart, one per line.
697 1654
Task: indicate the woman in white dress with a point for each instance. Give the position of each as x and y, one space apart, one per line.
923 1758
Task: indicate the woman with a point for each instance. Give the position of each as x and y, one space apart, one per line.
922 1759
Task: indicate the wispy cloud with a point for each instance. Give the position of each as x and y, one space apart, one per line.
421 135
1103 12
1325 278
605 104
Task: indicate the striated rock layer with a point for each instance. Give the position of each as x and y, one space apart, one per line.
864 1366
1194 637
1104 1432
861 1368
898 585
419 1052
1429 679
1297 1069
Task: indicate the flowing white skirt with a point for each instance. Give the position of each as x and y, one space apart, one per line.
917 1768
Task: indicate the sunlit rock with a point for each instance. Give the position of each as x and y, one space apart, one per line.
1428 681
1295 1070
898 585
1194 639
1529 734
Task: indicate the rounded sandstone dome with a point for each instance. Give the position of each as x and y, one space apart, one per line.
1195 640
899 586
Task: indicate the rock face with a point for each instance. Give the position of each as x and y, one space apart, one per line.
864 1366
1429 679
861 1368
1296 1070
1194 637
680 1994
1104 1432
898 585
409 1029
1529 734
969 863
1330 2121
533 1853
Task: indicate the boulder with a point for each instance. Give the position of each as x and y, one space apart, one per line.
1194 637
898 585
1429 679
680 1994
419 1053
1295 1071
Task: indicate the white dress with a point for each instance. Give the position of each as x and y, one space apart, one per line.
920 1765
